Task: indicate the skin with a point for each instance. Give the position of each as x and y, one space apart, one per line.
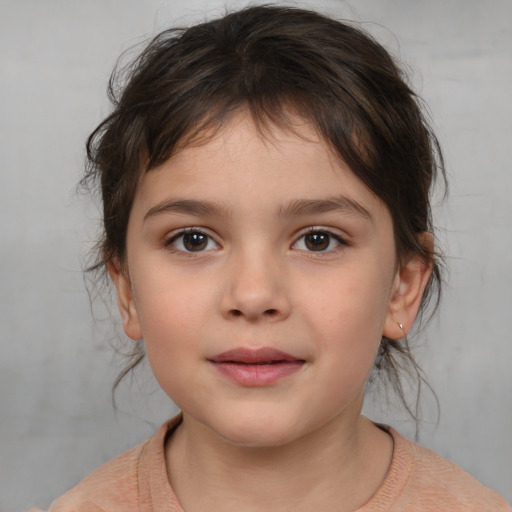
258 283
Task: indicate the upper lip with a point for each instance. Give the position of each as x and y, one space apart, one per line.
253 355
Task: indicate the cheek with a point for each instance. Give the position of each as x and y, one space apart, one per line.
169 302
345 314
173 323
350 301
172 331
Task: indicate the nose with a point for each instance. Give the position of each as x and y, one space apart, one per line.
255 289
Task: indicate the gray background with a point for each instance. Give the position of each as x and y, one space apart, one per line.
57 363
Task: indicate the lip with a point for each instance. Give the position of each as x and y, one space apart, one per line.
256 367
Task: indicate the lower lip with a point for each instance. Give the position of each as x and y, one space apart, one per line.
257 375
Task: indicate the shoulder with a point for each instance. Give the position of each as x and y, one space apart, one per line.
131 481
431 482
112 487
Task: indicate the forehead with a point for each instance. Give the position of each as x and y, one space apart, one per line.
243 164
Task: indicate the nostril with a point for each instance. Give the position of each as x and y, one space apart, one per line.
270 313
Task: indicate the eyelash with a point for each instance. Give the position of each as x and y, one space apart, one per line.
173 238
318 230
169 242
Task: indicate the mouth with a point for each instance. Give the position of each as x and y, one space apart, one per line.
256 367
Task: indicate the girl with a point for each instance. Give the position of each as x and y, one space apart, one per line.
265 181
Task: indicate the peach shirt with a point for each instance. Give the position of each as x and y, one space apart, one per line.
418 480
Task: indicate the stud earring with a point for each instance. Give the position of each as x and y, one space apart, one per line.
401 326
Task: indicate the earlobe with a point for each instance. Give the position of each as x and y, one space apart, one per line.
407 293
125 300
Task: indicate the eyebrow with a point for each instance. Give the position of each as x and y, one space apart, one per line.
188 206
297 207
329 204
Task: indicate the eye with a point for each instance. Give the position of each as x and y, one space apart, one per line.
192 240
317 240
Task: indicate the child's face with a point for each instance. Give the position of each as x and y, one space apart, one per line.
285 249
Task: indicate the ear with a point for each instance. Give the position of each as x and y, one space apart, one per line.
407 292
125 300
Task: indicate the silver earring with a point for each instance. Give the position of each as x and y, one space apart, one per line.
401 326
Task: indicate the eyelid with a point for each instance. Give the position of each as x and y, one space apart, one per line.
333 232
336 232
177 233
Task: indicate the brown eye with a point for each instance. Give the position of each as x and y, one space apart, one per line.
195 241
192 241
317 241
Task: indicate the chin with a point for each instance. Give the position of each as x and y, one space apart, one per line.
260 432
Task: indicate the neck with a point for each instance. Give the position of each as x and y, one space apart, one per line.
337 467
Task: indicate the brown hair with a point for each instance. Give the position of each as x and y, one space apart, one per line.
272 60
